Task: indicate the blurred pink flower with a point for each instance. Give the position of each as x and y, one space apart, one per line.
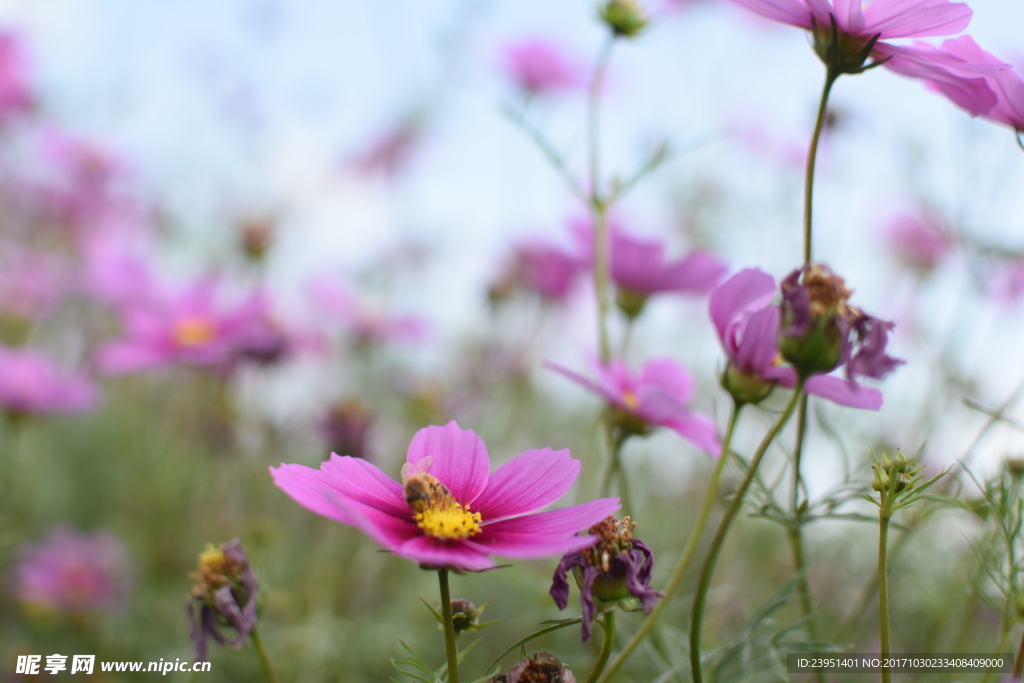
30 281
74 572
390 150
31 384
747 320
366 324
191 326
656 396
449 511
540 67
918 237
16 96
544 268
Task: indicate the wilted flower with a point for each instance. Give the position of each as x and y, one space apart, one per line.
74 572
448 511
542 667
31 384
820 329
919 238
224 592
617 568
344 427
540 67
656 396
747 322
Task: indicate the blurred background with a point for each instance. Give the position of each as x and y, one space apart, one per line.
326 207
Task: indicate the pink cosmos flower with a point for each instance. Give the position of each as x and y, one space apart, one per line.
367 324
918 237
16 95
544 268
449 511
74 572
190 326
747 322
656 396
539 67
639 265
31 384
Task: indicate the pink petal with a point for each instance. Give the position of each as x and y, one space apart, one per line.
669 376
585 383
792 12
849 16
916 18
699 271
749 289
529 546
757 348
460 459
845 393
565 521
359 480
437 553
699 429
533 480
658 407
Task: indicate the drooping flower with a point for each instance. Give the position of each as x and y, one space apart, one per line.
191 326
225 593
747 320
449 511
74 572
918 237
365 323
542 667
540 67
32 384
639 268
656 396
617 568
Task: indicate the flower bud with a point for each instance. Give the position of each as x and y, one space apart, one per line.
465 615
624 17
1015 467
745 388
902 468
842 53
631 303
257 237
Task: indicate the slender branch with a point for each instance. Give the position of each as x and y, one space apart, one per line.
812 156
883 587
449 627
687 555
547 148
608 624
599 208
261 652
708 568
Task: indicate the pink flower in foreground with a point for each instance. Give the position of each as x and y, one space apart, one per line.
656 396
918 237
367 324
450 511
191 326
747 322
539 67
74 572
31 384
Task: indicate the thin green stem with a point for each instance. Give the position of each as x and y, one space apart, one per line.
615 469
1018 663
812 156
261 652
451 646
708 568
597 203
883 587
687 555
608 624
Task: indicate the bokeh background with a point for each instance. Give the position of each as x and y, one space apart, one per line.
377 145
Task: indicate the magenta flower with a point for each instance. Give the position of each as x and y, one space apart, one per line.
367 324
74 572
918 237
654 397
448 511
747 322
540 267
190 326
31 384
539 67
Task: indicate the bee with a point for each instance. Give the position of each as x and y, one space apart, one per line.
422 490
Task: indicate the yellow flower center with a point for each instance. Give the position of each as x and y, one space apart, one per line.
630 399
193 331
447 519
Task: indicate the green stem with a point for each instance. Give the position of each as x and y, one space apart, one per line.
883 587
708 568
615 469
1018 663
608 624
451 646
261 651
598 206
687 555
812 157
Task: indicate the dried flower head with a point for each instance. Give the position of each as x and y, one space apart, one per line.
225 592
542 667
